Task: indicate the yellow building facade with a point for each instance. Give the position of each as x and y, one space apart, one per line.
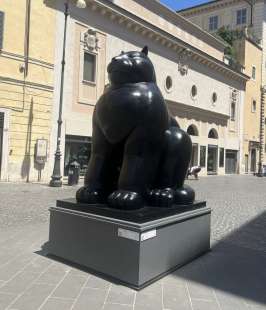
27 47
250 55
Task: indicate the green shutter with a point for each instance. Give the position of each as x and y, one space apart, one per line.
1 29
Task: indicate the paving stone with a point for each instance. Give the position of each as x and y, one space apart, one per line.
256 306
10 269
199 291
6 299
53 275
70 287
173 280
18 284
199 304
117 307
92 297
229 301
37 289
39 265
28 302
96 282
54 303
77 272
176 298
150 298
121 295
58 304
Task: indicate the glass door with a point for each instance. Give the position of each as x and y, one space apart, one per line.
212 159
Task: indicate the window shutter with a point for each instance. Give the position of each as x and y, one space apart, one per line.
2 14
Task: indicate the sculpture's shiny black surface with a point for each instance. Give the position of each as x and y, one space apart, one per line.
139 155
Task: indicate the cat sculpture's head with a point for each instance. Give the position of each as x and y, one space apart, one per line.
131 67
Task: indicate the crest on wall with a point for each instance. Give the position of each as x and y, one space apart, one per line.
91 40
183 58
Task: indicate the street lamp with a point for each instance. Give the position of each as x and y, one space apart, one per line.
56 176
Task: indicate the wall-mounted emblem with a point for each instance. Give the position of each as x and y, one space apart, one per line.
91 41
183 58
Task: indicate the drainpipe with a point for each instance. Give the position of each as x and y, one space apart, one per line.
262 128
27 37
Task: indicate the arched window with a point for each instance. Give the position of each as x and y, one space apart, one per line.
213 134
192 130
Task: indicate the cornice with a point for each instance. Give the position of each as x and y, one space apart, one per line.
166 39
181 107
207 7
12 81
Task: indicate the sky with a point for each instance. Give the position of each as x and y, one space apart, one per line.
182 4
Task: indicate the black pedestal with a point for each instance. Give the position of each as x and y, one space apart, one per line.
135 247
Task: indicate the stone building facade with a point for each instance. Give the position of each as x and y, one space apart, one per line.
26 89
248 15
196 83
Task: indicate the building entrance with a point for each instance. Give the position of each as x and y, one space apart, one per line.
230 162
212 162
253 161
195 155
77 148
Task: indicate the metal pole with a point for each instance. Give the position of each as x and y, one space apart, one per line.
56 176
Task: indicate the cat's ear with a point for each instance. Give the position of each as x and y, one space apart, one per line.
145 50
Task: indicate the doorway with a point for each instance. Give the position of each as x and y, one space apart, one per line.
231 162
212 159
194 156
246 163
253 160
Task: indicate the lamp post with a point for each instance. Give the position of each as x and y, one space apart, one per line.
56 176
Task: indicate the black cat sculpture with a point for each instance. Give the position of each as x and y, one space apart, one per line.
139 155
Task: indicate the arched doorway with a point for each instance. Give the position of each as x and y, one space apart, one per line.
212 161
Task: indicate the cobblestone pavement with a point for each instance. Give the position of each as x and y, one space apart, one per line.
231 277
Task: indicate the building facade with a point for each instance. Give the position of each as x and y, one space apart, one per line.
249 54
186 60
251 16
26 89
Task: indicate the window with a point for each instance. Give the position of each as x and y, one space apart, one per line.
221 157
253 106
194 91
241 16
2 14
203 156
192 130
253 72
168 83
214 98
213 134
89 67
233 111
213 23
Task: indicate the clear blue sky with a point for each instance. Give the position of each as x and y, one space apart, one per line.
182 4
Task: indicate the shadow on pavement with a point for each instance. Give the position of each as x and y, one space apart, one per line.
236 265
